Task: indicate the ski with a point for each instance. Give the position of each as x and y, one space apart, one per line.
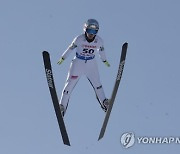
52 89
115 89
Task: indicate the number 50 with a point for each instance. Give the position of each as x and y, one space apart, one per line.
91 51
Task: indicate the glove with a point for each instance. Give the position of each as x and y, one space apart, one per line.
106 63
60 61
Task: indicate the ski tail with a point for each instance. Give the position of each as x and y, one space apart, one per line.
52 89
115 89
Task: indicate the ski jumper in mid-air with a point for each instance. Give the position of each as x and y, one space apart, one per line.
84 63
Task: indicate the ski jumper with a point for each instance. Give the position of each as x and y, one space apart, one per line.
84 63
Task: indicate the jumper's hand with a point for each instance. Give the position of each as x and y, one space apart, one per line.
106 63
60 61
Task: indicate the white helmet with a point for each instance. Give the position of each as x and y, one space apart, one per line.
91 26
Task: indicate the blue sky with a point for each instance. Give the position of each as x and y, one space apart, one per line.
147 102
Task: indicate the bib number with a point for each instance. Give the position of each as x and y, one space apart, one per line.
90 51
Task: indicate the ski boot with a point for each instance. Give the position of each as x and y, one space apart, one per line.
62 109
105 105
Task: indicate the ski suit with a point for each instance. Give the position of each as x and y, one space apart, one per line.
84 63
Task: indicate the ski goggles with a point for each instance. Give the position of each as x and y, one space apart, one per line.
91 31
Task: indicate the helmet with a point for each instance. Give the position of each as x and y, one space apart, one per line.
91 26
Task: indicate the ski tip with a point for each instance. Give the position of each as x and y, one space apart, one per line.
45 52
125 44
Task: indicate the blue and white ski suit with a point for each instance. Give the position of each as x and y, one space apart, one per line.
84 63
